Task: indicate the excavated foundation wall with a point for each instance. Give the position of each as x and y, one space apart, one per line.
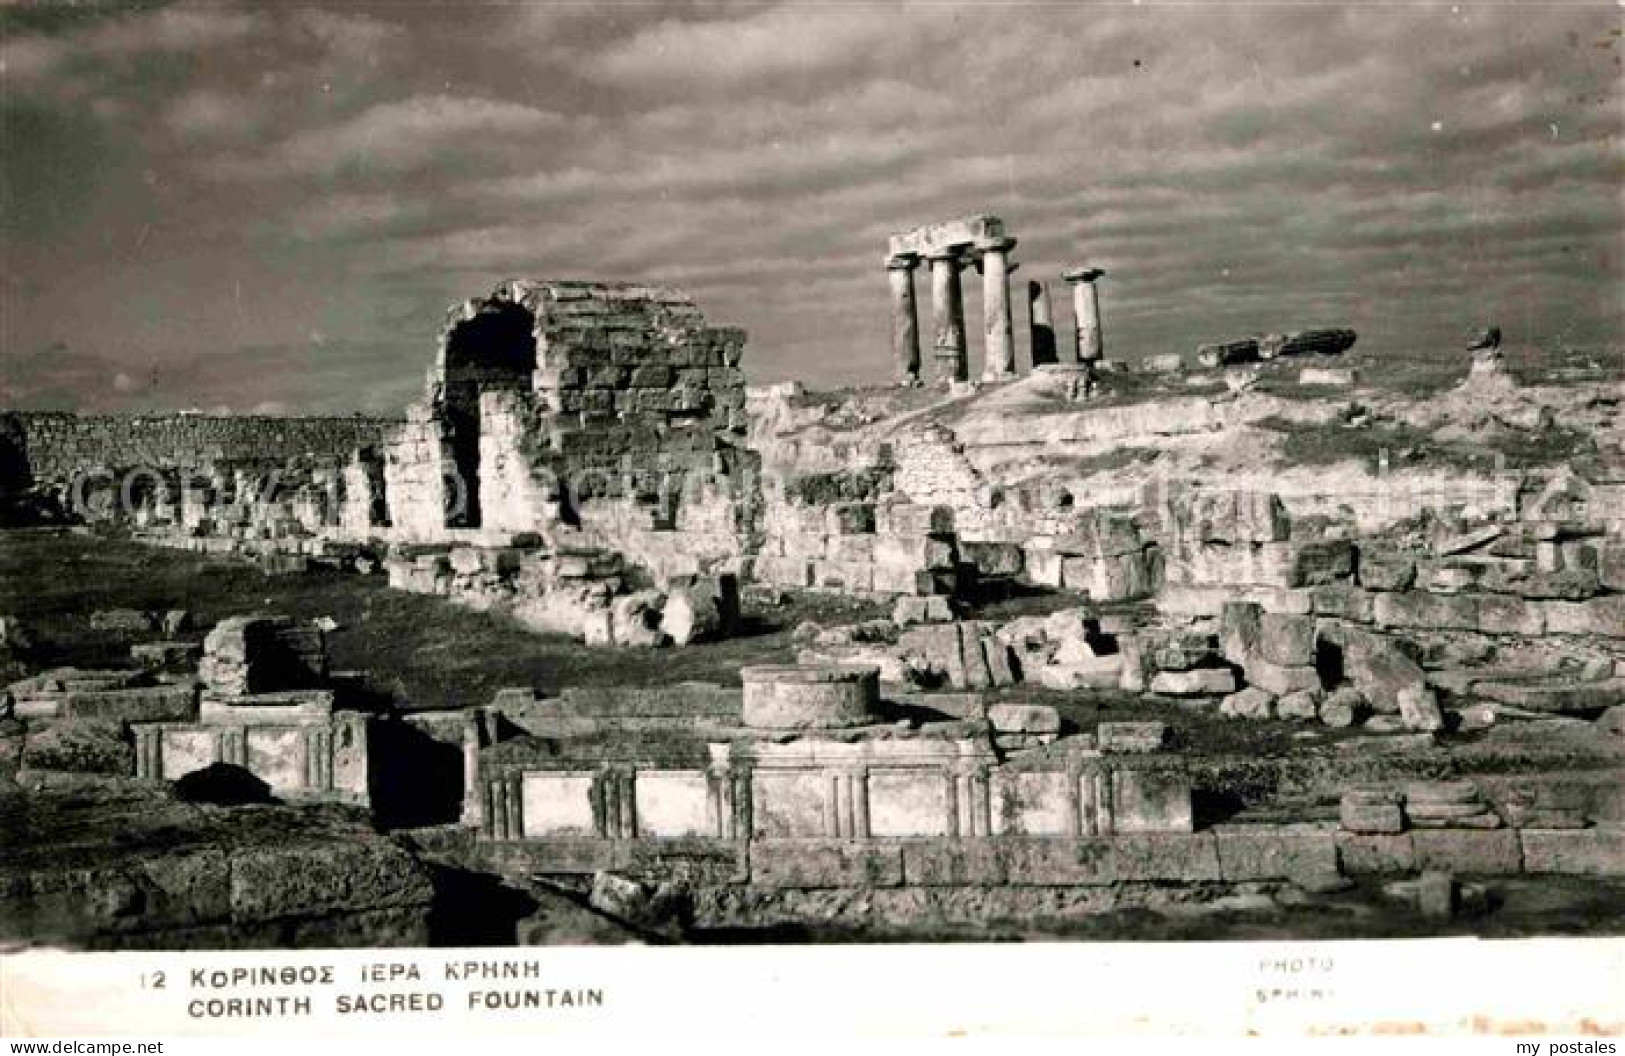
59 446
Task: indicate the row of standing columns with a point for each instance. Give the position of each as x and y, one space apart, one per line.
949 352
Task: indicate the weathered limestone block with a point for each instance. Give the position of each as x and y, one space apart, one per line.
1386 570
1188 857
1300 704
1249 703
1302 342
145 704
1286 639
1590 852
1379 669
1299 564
1205 681
1044 862
165 655
635 619
1343 601
1554 697
824 864
810 697
257 654
1034 722
1099 672
1362 853
993 559
1419 609
1604 615
966 863
1179 650
1239 517
1419 707
1328 377
1227 353
1131 738
1281 679
1275 852
1570 584
1611 565
913 610
1491 853
1361 815
1151 801
1240 627
1343 707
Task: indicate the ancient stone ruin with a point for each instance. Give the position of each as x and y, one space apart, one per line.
1087 594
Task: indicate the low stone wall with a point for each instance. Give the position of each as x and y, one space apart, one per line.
58 447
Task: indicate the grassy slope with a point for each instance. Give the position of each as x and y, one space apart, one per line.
424 651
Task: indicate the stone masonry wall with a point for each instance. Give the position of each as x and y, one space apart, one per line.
57 446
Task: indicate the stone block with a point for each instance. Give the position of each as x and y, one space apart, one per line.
1555 698
1322 561
824 864
1240 625
1096 672
787 804
1611 565
1342 707
1031 802
557 804
1024 718
1372 852
1151 801
993 559
1493 852
145 704
1417 609
1371 817
912 610
907 803
1275 852
1059 862
1589 852
1498 614
1436 894
1286 639
1604 615
1250 703
1186 857
1342 601
1204 681
1379 668
1044 568
1386 570
1419 707
1303 704
673 804
1131 738
1280 679
941 863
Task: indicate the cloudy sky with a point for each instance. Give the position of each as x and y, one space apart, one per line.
269 206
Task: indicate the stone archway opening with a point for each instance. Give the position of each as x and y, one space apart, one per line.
493 349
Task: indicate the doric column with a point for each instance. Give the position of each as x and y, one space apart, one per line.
1000 358
905 319
948 318
1086 309
473 801
1041 327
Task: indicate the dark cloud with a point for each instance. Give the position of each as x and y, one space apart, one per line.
236 205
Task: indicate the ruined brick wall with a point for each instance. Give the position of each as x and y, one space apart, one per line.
605 414
59 446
